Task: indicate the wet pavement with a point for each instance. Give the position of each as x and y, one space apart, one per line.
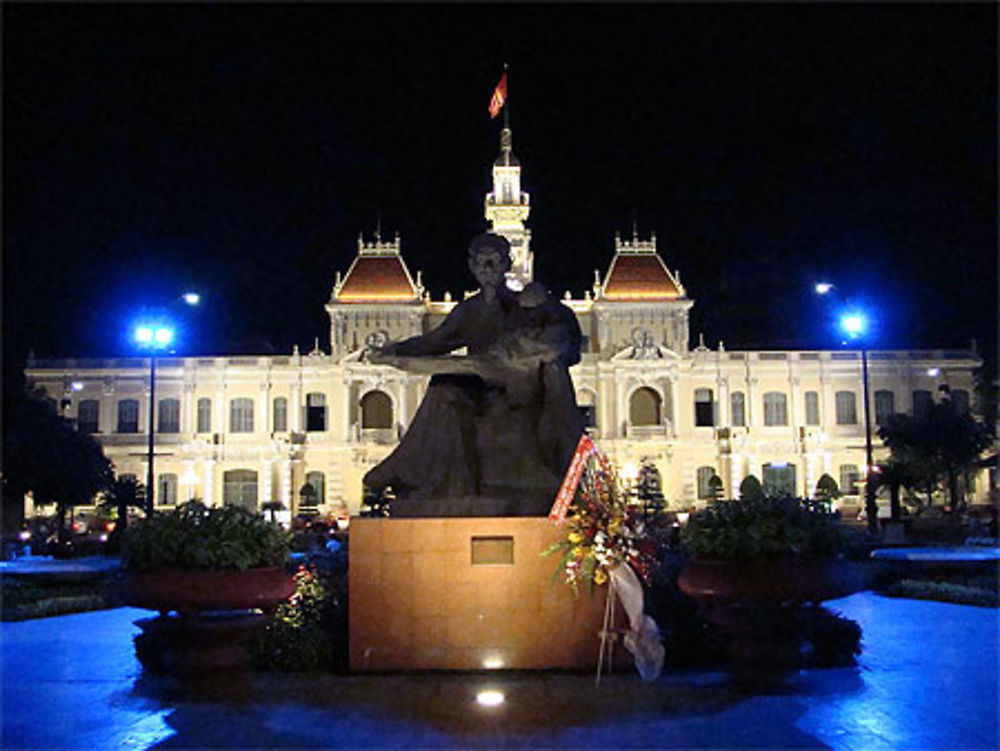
928 679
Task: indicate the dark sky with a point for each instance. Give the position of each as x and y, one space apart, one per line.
240 150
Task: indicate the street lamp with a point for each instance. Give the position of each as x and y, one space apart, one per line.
854 324
155 335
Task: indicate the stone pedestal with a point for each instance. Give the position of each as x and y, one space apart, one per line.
465 594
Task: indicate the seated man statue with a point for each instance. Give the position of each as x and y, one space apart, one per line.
497 427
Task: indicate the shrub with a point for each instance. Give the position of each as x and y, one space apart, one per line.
194 537
759 528
299 638
943 592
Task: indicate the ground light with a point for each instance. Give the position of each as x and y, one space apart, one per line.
490 698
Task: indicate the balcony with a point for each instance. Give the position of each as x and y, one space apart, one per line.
646 432
383 436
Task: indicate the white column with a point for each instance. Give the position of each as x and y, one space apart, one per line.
345 423
108 421
221 410
674 408
295 407
187 409
722 389
735 474
266 491
286 483
265 411
208 483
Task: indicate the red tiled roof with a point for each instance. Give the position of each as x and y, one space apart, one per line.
634 277
377 279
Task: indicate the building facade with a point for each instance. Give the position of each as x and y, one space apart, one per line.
302 429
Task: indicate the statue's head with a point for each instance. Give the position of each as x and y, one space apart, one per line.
489 259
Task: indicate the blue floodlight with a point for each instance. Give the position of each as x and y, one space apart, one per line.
823 287
854 324
192 298
153 336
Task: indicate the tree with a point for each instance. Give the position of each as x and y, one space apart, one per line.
751 489
826 488
45 455
649 489
944 442
894 475
123 493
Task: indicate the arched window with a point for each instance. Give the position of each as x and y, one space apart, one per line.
775 408
86 416
705 490
847 410
315 412
239 488
169 417
241 415
128 416
204 415
166 490
737 409
280 414
812 408
376 410
885 405
644 407
317 481
704 412
849 477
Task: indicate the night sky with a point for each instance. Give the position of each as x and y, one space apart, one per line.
239 150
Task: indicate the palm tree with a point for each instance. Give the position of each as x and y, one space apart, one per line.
121 494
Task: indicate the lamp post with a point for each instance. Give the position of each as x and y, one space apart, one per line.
854 323
152 336
155 334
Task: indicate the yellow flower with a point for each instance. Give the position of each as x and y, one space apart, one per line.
575 537
600 577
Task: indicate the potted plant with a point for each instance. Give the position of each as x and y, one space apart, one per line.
764 550
759 568
196 558
215 567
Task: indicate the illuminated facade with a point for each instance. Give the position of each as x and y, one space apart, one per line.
259 429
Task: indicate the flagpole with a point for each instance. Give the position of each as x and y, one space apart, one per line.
506 101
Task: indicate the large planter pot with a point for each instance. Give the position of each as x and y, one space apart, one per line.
188 592
779 581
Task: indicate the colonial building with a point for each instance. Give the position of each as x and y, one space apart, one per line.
302 429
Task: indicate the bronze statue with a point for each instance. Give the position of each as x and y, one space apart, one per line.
497 426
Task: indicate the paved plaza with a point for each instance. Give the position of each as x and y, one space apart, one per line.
927 680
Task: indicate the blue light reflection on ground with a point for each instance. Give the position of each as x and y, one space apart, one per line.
928 679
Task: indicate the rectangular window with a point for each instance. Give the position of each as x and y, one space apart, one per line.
167 492
775 409
170 416
847 412
241 415
706 484
703 411
204 415
128 416
885 405
737 410
280 414
86 416
315 412
812 408
922 403
849 477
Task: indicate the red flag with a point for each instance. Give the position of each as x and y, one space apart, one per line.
499 96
